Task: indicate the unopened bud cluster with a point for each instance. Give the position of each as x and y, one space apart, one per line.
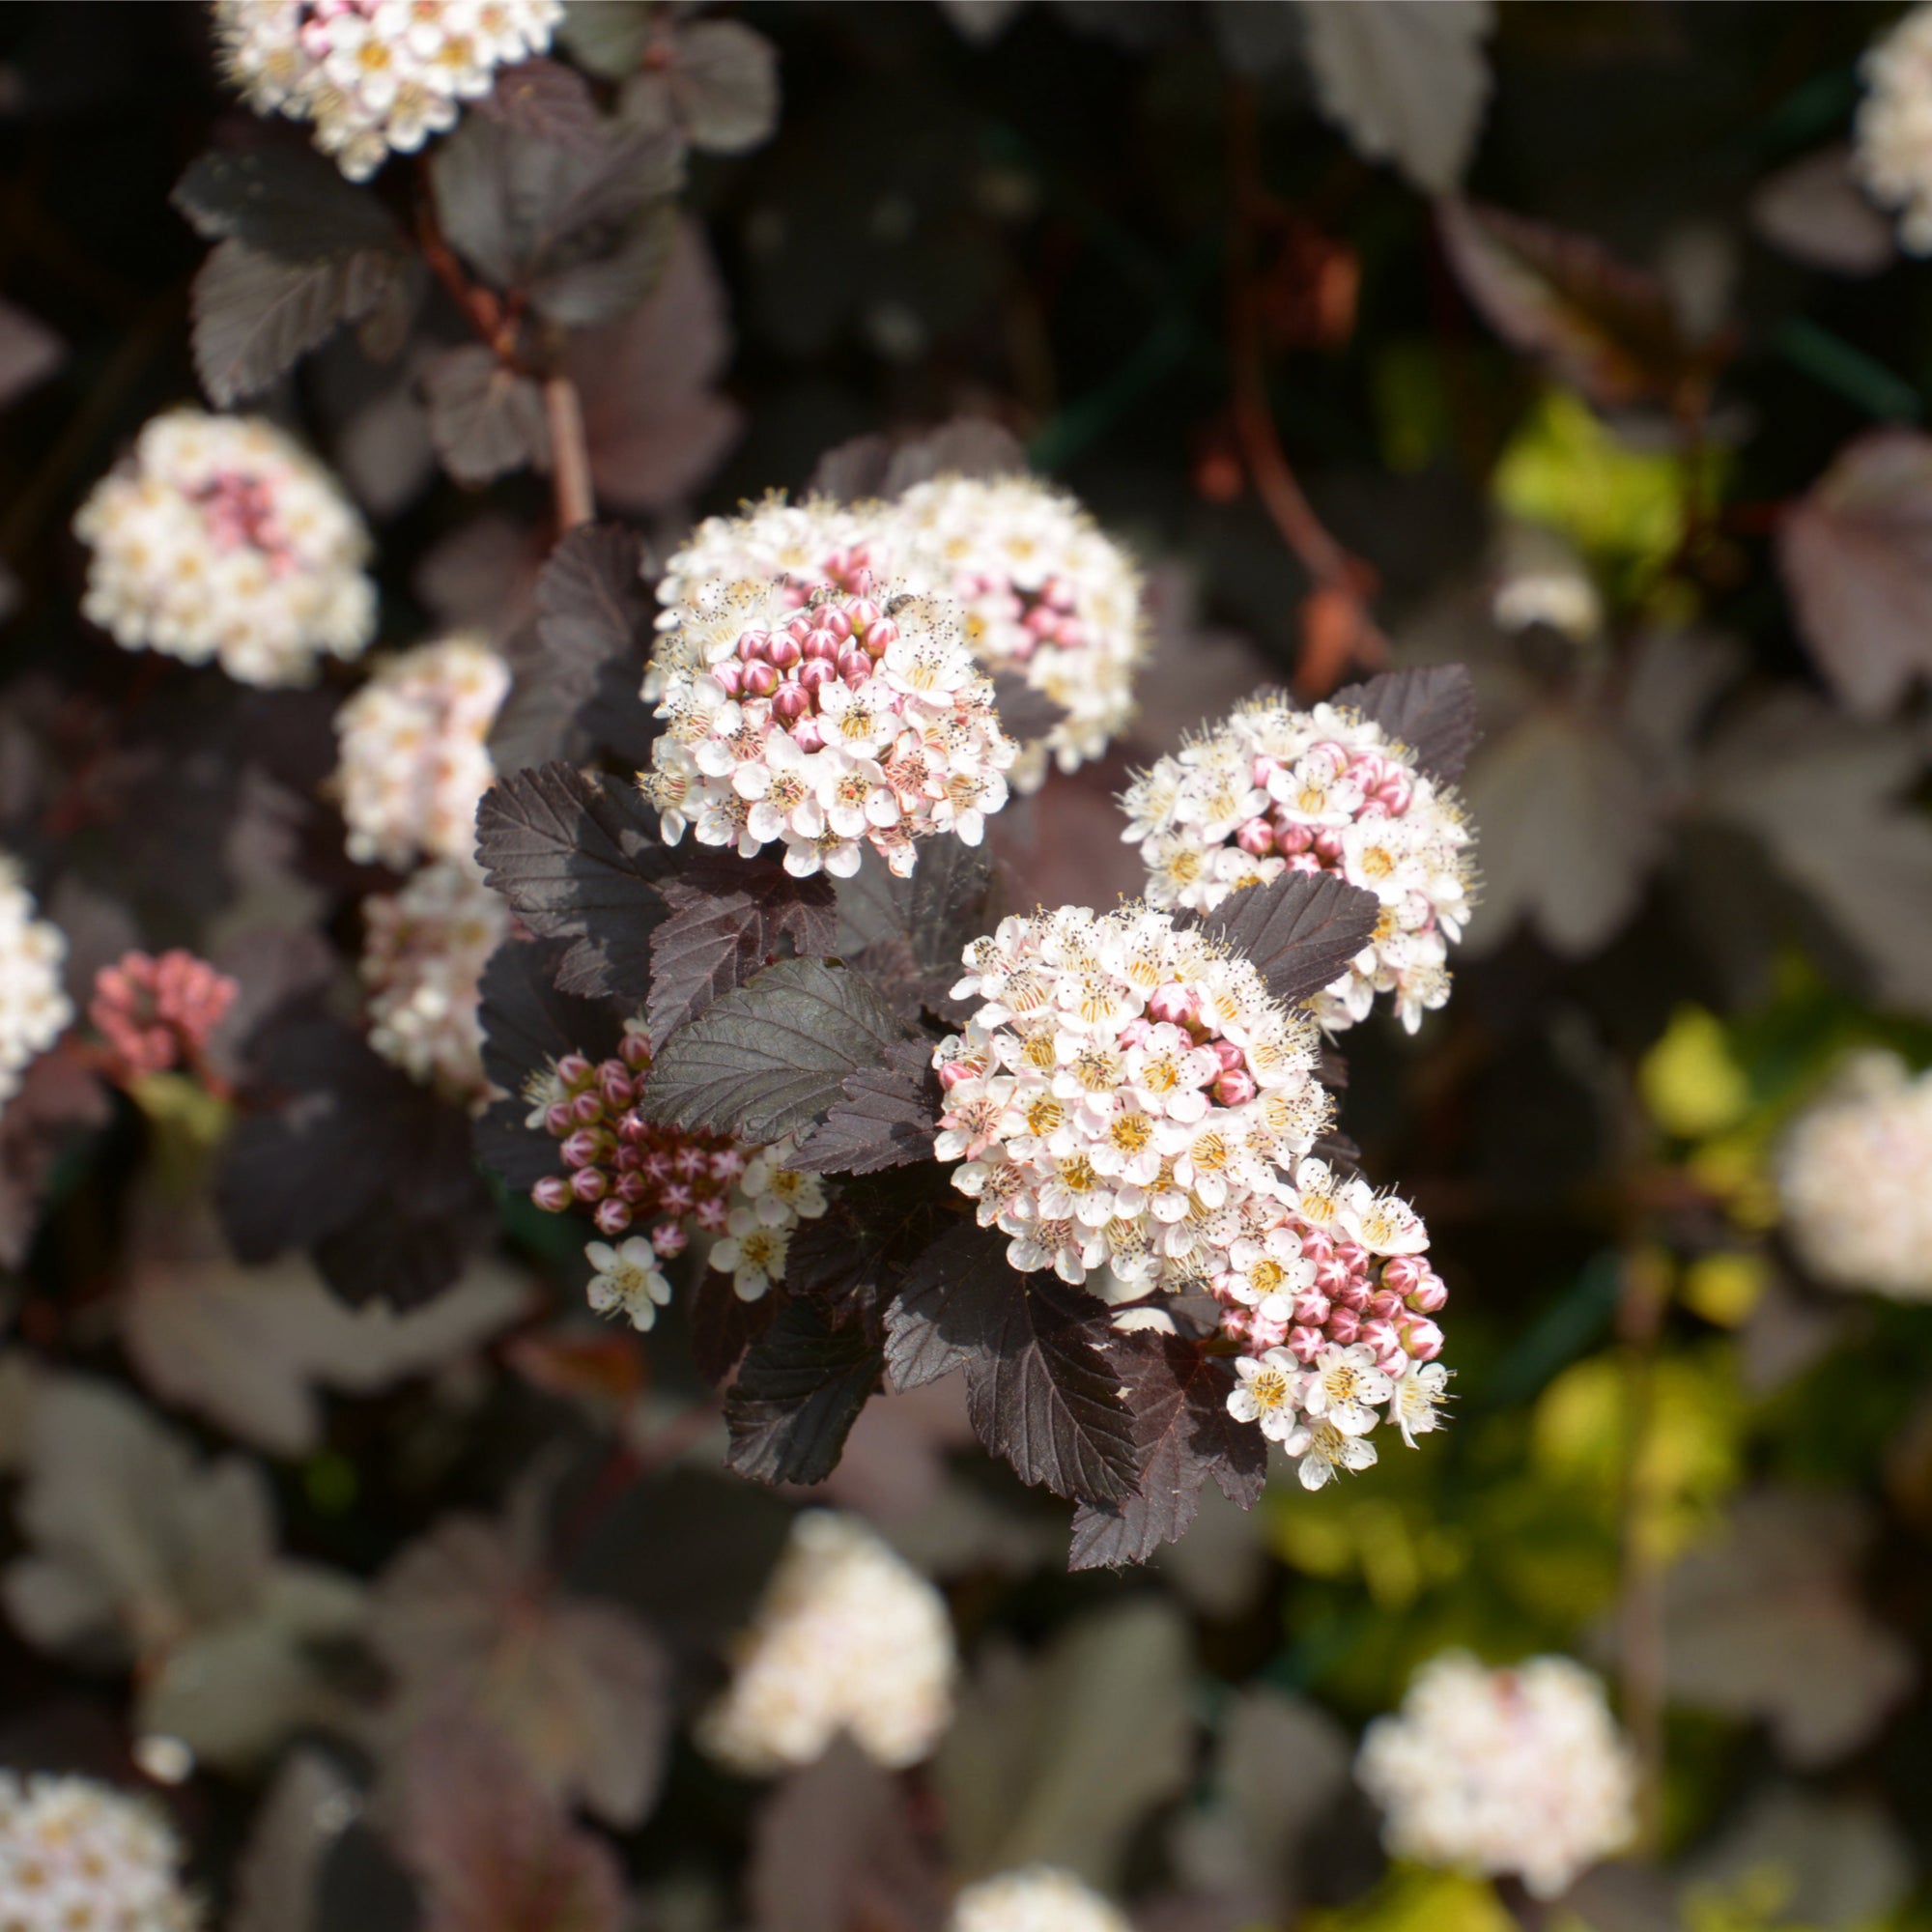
852 719
423 953
628 1173
1855 1181
220 538
157 1015
34 1009
849 1637
1518 1773
1035 1898
1894 152
373 76
1276 790
415 755
78 1857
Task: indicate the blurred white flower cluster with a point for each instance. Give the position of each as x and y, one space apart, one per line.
1037 1898
423 953
220 538
373 76
34 1009
1855 1180
822 728
1517 1772
1275 789
416 754
1894 153
78 1857
849 1637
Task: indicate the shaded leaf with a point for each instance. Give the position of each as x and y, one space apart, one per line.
484 419
606 37
1407 84
1607 328
854 1257
299 1822
931 1329
1301 930
1856 552
58 1098
907 936
1024 713
528 1023
885 1116
547 102
729 920
772 1055
722 1325
799 1390
718 88
1182 1435
578 858
29 352
880 465
1812 210
1431 709
289 202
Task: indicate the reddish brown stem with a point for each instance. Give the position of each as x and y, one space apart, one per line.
569 454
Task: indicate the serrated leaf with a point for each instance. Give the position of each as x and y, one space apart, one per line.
1431 709
286 202
932 1328
1301 930
729 919
484 419
854 1257
256 315
799 1390
576 857
1025 714
884 1116
1605 328
528 1022
907 935
722 1325
606 37
771 1056
1182 1435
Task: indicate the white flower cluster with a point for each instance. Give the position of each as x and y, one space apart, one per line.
1276 788
1893 154
219 537
802 546
1520 1772
849 1637
822 728
78 1857
373 76
1048 595
415 753
1855 1181
34 1008
423 953
1035 1898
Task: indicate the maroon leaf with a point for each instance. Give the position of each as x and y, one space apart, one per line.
1431 709
484 419
1301 930
547 102
1025 713
722 1326
57 1098
799 1390
719 89
1182 1435
931 1329
907 935
887 1116
1856 552
876 465
853 1258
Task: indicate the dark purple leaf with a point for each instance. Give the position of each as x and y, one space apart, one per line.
58 1097
907 935
547 102
853 1258
1300 929
29 352
1431 709
932 1328
529 1023
799 1390
484 419
289 202
874 466
1182 1435
885 1116
578 858
721 87
1025 714
772 1055
722 1326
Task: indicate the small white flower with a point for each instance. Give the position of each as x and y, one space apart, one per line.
1415 1402
1266 1393
1324 1447
752 1253
627 1280
1342 1386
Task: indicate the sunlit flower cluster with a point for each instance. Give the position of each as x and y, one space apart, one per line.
34 1009
1894 126
220 538
803 546
416 755
1520 1772
823 728
1275 789
78 1857
1855 1181
629 1173
423 953
155 1015
1047 594
849 1637
373 76
1037 1898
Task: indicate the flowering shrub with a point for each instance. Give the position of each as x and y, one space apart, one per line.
75 1853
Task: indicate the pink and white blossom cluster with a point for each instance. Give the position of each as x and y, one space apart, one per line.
1276 790
824 728
77 1855
1520 1772
1034 1898
1893 146
1855 1181
423 953
154 1013
849 1639
375 76
415 753
34 1006
219 538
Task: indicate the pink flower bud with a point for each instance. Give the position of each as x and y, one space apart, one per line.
1256 838
862 614
854 666
636 1051
551 1194
1383 1337
587 1110
1070 633
612 1216
589 1184
1344 1328
1306 1344
1429 1296
1041 620
791 704
618 1090
1403 1273
1329 846
807 735
752 645
954 1072
731 680
670 1240
628 1159
632 1187
556 1117
633 1131
1173 1003
1422 1338
1351 1293
760 680
709 1214
1233 1060
1311 1308
1263 769
815 674
881 637
582 1148
1384 1304
1137 1031
575 1070
784 652
836 622
801 626
822 642
1235 1088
